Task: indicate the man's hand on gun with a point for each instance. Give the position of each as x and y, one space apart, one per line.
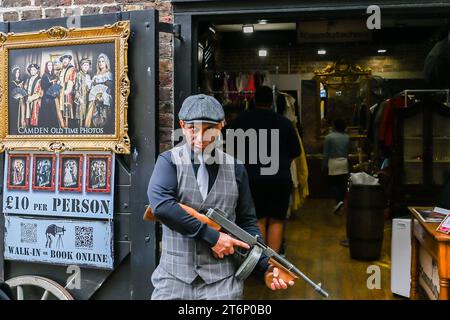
273 278
225 246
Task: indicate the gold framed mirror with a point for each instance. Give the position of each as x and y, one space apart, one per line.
344 92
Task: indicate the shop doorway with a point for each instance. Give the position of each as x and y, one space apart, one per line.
330 63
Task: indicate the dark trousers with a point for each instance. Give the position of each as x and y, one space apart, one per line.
339 186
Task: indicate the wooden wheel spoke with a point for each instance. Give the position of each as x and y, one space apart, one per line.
45 295
20 293
50 287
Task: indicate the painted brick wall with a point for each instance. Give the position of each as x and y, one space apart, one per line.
18 10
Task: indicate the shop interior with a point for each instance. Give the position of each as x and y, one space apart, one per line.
387 84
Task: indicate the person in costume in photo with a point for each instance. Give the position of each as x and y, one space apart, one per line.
83 83
18 172
100 98
50 114
70 173
34 90
19 94
67 77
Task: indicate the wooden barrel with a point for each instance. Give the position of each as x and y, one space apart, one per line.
365 221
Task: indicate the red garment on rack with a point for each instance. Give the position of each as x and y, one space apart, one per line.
386 132
250 86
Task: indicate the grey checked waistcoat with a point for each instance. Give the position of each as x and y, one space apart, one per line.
186 258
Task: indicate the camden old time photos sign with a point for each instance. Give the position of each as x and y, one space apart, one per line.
67 89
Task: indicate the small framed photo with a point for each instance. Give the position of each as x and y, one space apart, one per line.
98 173
44 172
18 172
444 226
70 172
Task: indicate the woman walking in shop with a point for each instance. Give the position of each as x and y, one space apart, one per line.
335 160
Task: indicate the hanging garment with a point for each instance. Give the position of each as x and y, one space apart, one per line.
226 98
386 132
241 81
301 171
232 87
299 166
267 81
249 86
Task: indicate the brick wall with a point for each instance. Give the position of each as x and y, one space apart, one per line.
18 10
298 59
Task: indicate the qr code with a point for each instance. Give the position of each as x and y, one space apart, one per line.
84 237
28 232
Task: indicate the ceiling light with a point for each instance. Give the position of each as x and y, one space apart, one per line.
382 50
247 28
321 51
262 53
262 21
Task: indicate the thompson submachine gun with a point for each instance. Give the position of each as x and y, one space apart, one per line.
215 218
257 249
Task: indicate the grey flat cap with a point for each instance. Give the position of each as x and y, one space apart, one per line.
203 108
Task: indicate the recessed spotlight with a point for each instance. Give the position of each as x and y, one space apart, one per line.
262 53
247 28
321 51
382 50
263 21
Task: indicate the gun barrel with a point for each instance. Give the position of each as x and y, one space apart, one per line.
317 287
294 270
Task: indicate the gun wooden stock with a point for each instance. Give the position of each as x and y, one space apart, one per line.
148 215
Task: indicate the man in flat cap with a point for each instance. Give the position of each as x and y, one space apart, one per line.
196 261
67 77
34 91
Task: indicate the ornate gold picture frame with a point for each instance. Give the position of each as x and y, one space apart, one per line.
65 89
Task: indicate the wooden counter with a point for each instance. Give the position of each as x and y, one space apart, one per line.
437 245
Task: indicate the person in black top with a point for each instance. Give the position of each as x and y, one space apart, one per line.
50 115
271 192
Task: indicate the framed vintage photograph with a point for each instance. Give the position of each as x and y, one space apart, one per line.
44 172
98 173
65 89
70 173
18 171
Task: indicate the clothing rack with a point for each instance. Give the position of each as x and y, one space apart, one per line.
241 92
408 91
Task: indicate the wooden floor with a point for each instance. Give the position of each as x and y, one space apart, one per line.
312 244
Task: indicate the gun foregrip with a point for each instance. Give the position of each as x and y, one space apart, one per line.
285 274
